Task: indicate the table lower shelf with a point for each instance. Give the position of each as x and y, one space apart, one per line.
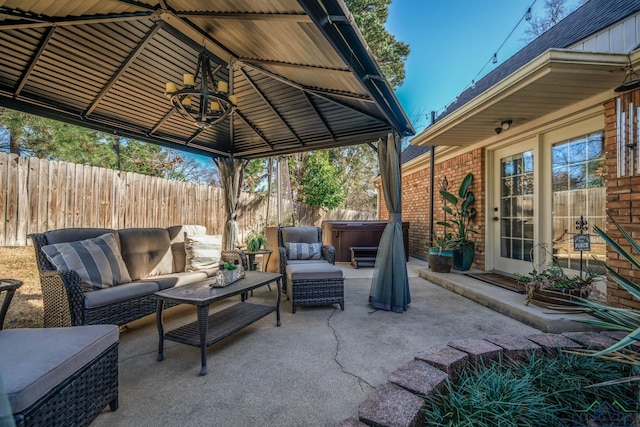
221 324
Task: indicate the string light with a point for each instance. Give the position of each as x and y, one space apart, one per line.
494 59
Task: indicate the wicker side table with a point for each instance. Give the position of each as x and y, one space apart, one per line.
9 286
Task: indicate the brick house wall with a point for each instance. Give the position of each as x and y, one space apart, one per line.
415 199
623 204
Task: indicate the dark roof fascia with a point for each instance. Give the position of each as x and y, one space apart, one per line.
333 20
585 21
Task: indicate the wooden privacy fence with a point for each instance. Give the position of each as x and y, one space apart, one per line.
37 195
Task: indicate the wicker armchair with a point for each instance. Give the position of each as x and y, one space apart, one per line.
310 282
301 235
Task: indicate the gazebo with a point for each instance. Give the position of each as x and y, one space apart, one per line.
266 79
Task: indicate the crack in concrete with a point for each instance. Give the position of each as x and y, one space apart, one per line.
335 355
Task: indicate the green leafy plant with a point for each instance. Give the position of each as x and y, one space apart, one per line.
256 242
229 266
551 277
444 240
461 210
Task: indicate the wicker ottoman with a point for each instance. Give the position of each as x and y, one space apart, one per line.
314 283
60 376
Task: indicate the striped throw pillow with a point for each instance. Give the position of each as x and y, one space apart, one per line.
303 250
97 261
202 251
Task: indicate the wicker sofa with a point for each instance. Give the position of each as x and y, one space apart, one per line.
310 278
154 257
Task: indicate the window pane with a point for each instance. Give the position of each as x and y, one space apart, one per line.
578 170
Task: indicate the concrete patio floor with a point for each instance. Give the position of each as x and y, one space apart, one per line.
315 369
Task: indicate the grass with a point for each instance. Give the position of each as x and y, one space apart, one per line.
545 391
26 308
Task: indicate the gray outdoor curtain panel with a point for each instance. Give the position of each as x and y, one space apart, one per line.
390 284
231 174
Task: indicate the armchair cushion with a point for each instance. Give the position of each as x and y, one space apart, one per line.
202 252
300 234
303 251
97 261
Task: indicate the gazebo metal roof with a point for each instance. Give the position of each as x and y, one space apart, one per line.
302 73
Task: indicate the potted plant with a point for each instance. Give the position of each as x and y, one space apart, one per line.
550 285
461 214
440 256
229 272
256 242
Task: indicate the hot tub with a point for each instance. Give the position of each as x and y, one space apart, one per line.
344 234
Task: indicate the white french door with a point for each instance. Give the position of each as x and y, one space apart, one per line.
512 214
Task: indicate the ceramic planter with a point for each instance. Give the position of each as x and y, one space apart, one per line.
230 275
463 256
440 260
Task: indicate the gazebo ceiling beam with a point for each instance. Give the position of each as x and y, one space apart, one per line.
161 121
361 98
137 4
325 144
322 120
254 61
105 125
193 136
188 32
290 17
123 67
270 105
254 128
34 60
43 21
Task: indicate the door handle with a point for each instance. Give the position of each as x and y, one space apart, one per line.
495 218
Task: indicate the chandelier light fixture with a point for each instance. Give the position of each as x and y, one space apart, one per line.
203 99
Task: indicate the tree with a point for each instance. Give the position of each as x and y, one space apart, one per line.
359 165
321 186
554 11
391 54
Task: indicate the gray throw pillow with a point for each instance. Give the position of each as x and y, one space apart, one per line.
97 261
303 250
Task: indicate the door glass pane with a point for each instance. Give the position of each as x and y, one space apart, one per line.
516 203
578 190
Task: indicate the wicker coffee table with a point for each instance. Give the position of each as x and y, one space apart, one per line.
209 329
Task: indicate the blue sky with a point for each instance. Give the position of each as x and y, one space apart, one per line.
451 41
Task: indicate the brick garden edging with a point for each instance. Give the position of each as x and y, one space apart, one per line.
397 403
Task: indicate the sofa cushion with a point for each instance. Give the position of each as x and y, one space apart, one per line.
202 251
74 234
313 271
303 250
34 361
97 261
146 251
176 235
120 293
300 234
178 279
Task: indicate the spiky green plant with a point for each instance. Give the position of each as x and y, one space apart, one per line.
613 318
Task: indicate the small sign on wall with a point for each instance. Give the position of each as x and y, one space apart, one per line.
582 242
